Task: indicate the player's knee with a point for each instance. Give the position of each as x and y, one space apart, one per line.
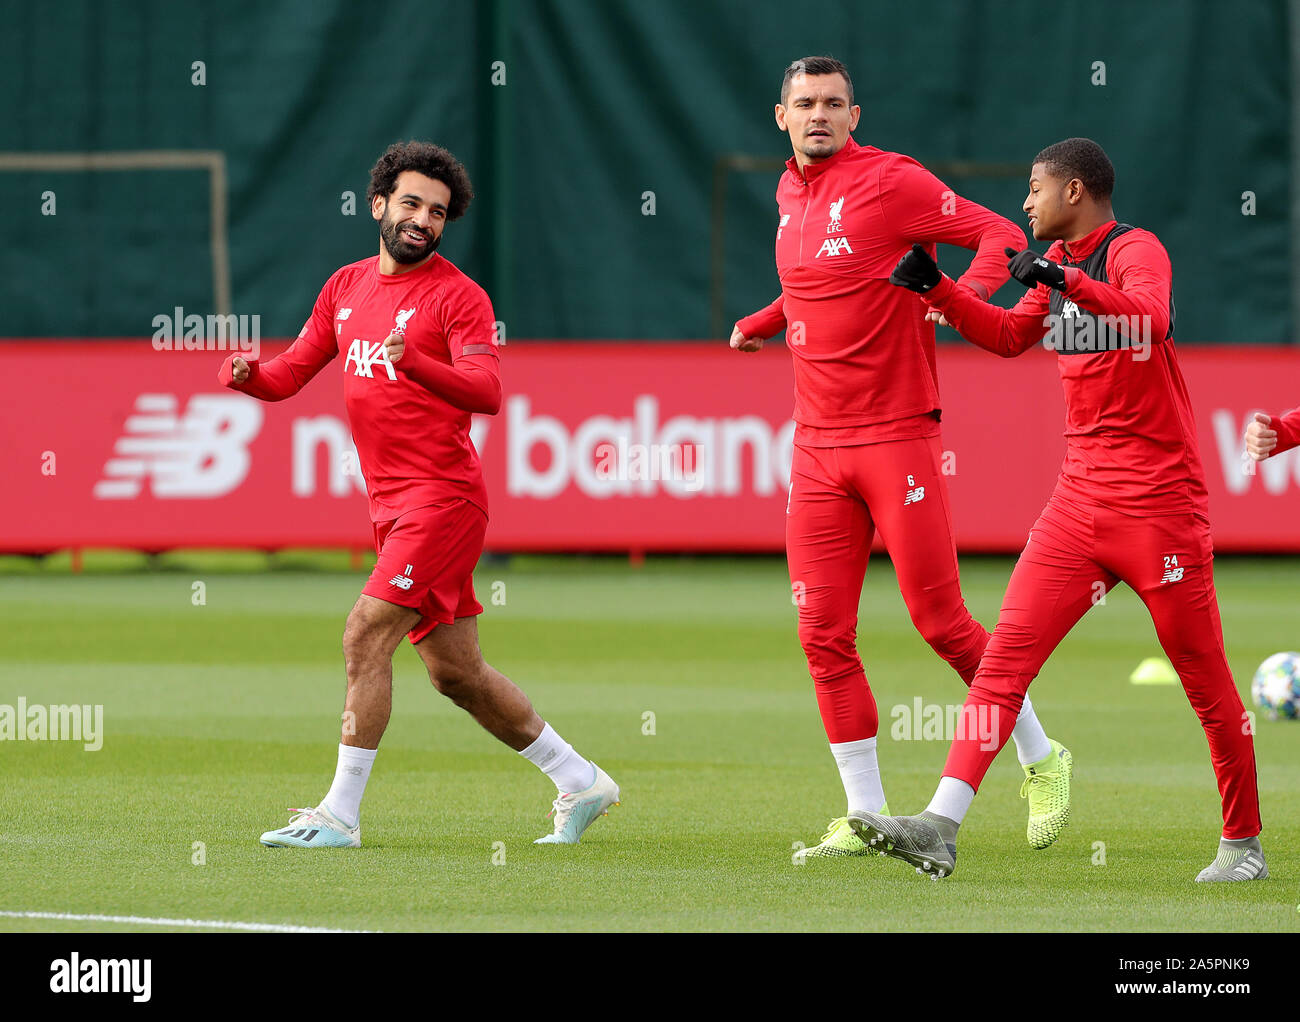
458 680
939 623
362 644
830 657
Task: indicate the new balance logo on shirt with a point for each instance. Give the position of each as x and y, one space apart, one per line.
403 581
914 496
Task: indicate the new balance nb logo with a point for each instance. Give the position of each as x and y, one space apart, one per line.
833 246
403 581
344 314
366 356
914 496
1172 575
202 452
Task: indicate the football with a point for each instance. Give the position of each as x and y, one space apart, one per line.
1276 688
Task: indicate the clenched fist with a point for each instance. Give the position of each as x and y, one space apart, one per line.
394 346
1260 440
742 343
239 370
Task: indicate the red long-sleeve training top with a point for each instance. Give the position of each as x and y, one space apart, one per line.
1288 430
1130 434
410 421
864 360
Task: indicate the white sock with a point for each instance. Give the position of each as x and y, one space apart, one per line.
555 757
350 776
860 773
1032 743
951 799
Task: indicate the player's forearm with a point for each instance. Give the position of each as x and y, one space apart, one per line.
1288 430
472 384
1004 332
284 375
267 381
1145 301
918 207
988 269
766 322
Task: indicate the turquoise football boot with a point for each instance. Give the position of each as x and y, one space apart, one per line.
574 813
314 828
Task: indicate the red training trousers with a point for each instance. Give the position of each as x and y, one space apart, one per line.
839 497
1077 552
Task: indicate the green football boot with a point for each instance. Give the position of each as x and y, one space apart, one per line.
839 840
1047 786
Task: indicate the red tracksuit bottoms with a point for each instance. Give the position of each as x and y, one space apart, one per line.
1077 551
839 497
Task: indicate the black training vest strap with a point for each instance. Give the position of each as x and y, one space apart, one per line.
1070 319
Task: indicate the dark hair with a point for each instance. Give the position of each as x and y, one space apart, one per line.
815 66
1082 158
427 159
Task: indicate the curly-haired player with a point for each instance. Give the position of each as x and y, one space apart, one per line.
419 347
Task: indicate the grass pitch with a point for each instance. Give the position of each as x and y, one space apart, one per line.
682 678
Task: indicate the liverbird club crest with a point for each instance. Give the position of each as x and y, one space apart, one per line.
399 326
837 207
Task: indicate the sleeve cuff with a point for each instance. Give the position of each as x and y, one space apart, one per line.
226 374
752 326
941 291
1288 433
1072 275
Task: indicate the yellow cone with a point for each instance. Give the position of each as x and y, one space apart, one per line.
1154 670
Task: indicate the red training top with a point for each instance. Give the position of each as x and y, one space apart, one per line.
410 421
1130 436
1288 430
864 359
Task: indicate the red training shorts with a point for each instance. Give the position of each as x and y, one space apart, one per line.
426 562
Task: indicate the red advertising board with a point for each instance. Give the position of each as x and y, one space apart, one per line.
617 446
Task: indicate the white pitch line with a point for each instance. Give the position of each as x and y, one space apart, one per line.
204 924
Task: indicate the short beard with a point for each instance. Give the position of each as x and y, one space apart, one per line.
401 250
827 146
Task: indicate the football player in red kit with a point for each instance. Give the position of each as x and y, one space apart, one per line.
867 452
1130 505
419 346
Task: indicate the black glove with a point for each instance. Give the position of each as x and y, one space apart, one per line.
1031 269
916 271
